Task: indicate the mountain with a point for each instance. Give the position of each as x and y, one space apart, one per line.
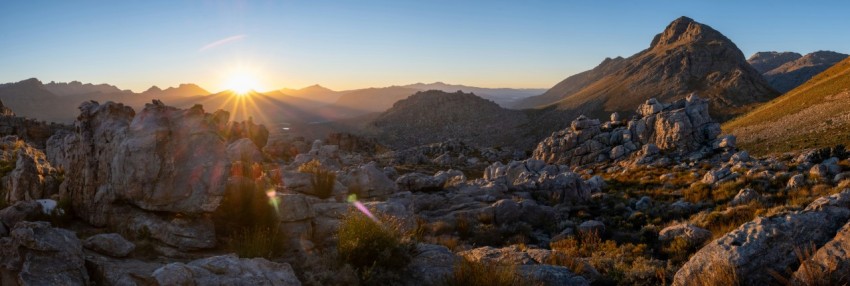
314 92
506 97
76 87
267 108
31 98
815 114
766 61
367 100
686 57
793 73
183 90
436 116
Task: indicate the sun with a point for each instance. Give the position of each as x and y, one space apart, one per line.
241 83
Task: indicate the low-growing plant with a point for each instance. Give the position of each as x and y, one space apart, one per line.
373 247
697 192
322 181
472 273
257 241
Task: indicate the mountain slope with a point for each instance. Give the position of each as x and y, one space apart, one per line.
505 97
794 73
766 61
436 116
686 57
815 114
316 93
573 84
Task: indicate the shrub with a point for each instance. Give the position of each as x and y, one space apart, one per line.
471 273
372 248
323 180
697 192
257 242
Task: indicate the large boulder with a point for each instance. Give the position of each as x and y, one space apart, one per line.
369 181
168 161
37 254
227 270
431 265
769 243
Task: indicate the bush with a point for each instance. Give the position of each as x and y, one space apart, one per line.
323 180
257 242
246 219
374 249
471 273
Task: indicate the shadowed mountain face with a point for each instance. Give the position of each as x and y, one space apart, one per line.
766 61
785 71
815 114
436 116
686 57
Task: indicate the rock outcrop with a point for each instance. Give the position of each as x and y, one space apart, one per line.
123 167
37 254
25 173
770 242
680 129
227 270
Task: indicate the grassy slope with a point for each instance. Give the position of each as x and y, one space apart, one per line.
817 131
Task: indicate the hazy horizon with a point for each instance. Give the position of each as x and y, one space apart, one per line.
344 46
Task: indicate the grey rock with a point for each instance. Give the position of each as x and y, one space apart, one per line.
111 244
745 196
431 264
592 226
37 254
227 270
693 234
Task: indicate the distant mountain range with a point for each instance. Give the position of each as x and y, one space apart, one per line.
814 114
686 57
786 70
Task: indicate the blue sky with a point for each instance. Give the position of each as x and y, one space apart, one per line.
355 44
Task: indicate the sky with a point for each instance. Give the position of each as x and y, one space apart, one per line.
355 44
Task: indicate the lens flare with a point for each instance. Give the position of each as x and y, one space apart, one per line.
273 199
362 208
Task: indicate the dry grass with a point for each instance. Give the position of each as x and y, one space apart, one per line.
471 273
323 180
719 272
257 242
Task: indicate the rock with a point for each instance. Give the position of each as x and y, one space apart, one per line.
727 141
644 203
592 226
694 235
37 254
104 270
716 176
111 244
831 260
163 160
506 211
769 243
797 181
20 211
551 275
615 117
418 182
744 196
679 129
227 270
596 184
244 150
498 256
294 207
431 264
370 182
741 156
32 177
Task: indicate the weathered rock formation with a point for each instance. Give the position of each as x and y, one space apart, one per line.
680 129
158 171
37 254
25 173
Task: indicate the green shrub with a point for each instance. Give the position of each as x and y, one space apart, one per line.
323 180
374 249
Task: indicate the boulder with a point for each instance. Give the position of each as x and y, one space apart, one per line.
32 177
370 181
506 211
745 196
592 226
769 243
244 150
551 275
164 160
431 264
832 261
692 234
111 244
418 182
227 270
37 254
797 181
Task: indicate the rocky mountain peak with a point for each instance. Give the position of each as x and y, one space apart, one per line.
153 89
685 30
